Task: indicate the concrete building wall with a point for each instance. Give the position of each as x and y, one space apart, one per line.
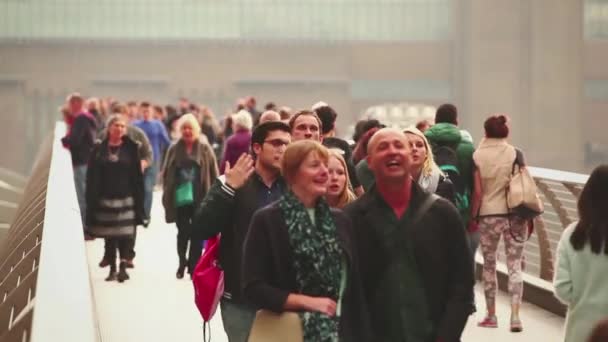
526 59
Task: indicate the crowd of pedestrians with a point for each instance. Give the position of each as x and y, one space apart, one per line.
366 241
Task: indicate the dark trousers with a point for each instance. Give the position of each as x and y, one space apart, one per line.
120 244
130 254
185 236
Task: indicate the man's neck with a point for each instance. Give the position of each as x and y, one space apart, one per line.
397 194
268 176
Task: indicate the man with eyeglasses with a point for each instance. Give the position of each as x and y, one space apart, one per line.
228 208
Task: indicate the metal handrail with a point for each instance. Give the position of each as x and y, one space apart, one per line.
44 277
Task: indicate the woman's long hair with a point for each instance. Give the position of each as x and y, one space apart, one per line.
592 226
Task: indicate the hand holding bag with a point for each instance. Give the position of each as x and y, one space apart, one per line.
269 326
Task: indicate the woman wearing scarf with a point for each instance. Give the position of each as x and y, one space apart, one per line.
299 254
115 194
424 170
189 170
338 191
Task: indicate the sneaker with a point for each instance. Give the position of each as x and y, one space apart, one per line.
146 223
516 325
488 322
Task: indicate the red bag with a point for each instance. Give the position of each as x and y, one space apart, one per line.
208 280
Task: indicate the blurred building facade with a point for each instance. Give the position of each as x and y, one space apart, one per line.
542 62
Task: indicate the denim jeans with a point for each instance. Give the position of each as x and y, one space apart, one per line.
237 320
80 181
149 181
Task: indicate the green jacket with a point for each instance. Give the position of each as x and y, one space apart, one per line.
448 134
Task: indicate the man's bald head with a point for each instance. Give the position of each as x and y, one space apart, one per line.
383 133
269 115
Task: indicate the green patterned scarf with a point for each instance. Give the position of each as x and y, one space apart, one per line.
316 252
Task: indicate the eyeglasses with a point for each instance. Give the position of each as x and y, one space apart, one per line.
276 143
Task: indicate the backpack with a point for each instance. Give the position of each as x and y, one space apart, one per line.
446 158
208 281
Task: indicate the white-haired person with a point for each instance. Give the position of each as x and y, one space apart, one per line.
189 170
239 142
424 170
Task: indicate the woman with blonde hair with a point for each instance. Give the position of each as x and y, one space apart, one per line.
338 192
300 255
424 170
189 170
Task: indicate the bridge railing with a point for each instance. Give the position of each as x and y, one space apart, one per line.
559 191
45 291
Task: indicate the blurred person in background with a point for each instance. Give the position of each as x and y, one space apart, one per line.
240 141
189 170
423 125
209 126
270 106
269 115
93 106
80 139
365 175
250 106
159 139
184 106
133 111
158 113
285 113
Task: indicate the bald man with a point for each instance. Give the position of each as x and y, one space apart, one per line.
269 115
415 260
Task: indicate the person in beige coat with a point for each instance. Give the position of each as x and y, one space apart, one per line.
494 160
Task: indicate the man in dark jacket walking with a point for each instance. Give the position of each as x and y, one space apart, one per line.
228 208
415 260
80 140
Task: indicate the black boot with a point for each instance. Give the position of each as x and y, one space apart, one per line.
122 272
180 270
112 275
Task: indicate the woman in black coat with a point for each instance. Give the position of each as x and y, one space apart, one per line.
299 254
115 194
